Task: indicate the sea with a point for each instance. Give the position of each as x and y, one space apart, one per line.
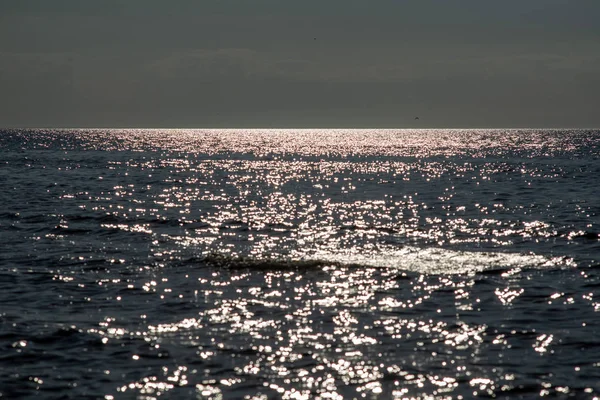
299 264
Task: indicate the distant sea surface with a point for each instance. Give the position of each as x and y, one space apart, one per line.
298 264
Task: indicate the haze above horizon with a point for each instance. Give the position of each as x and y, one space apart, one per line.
284 64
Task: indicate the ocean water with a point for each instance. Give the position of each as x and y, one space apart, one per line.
297 264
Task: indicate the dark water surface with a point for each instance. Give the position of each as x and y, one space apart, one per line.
299 264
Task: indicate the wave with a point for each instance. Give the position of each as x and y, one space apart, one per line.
433 261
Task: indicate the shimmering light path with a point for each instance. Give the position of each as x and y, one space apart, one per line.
299 264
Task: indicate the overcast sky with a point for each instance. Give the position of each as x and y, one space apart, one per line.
292 63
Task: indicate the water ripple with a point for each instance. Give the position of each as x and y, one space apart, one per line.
299 264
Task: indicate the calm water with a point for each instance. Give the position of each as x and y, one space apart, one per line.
299 264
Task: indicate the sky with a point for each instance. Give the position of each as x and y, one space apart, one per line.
300 64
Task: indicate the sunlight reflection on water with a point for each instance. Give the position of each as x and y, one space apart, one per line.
302 264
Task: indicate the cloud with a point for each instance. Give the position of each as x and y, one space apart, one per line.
29 65
205 65
208 65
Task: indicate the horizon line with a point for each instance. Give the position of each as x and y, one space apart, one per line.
292 128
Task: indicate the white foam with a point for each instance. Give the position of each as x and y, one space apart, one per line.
437 260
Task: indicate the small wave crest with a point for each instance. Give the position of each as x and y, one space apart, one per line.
434 261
